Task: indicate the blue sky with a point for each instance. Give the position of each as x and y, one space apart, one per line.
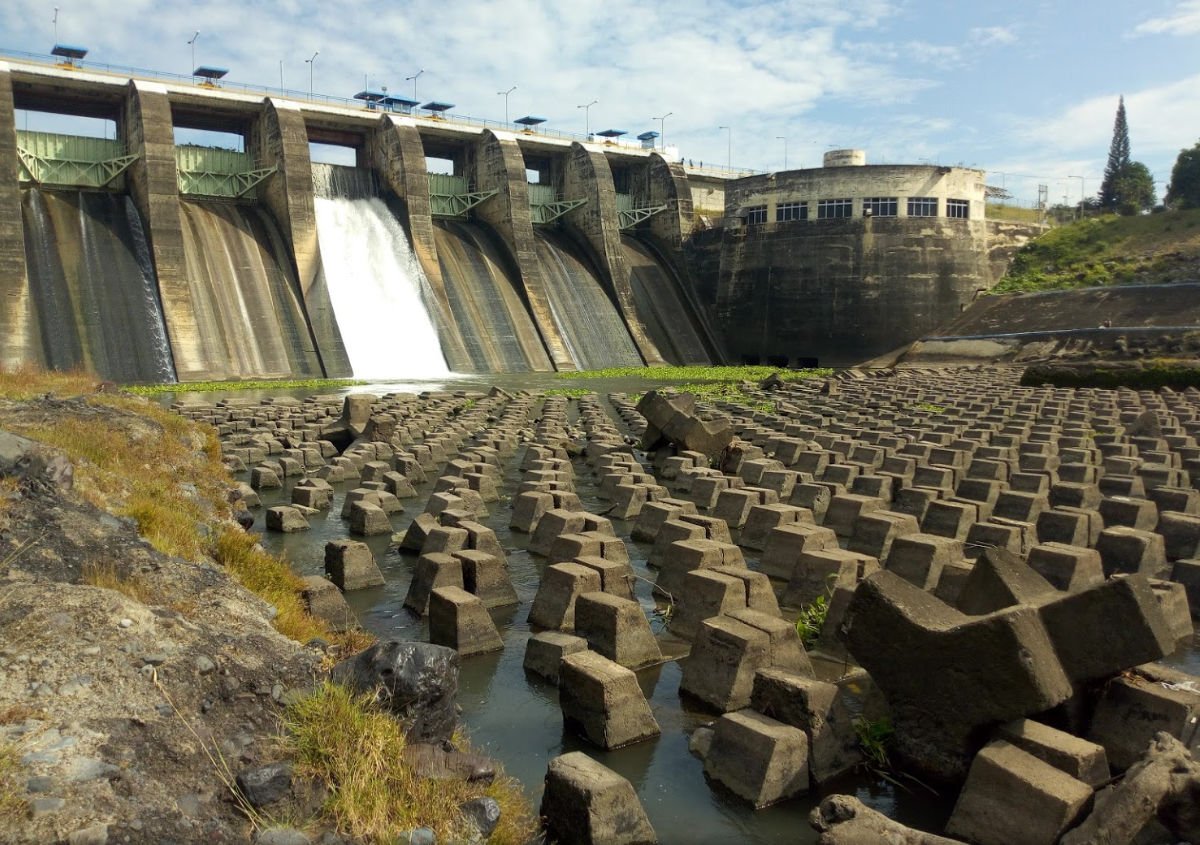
1026 90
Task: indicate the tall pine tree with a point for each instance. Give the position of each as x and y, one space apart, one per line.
1118 160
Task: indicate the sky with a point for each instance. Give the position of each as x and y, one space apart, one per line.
1023 89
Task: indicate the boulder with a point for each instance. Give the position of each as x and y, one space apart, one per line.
416 681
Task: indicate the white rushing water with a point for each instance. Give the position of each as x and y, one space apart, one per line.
376 286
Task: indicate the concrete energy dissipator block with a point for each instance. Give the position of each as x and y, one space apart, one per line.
1011 796
617 628
433 571
818 709
459 621
1083 760
601 700
351 565
785 544
545 651
757 758
562 583
587 803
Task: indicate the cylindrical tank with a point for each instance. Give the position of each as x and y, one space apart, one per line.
845 158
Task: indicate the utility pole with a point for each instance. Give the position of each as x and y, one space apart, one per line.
311 62
784 139
728 147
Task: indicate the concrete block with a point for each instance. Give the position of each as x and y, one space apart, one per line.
602 702
1129 550
554 604
587 803
544 653
875 532
1079 758
368 520
325 601
921 558
433 570
286 519
1132 710
617 628
819 573
1067 567
1011 796
757 758
762 519
484 575
818 709
1181 534
785 545
458 620
351 565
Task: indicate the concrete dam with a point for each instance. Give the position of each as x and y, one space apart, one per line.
146 260
143 259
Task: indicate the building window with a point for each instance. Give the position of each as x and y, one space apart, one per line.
958 208
880 207
791 211
756 214
922 206
833 209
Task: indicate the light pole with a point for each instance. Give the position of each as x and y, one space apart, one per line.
281 88
587 115
1082 191
728 147
505 95
56 24
784 139
662 129
310 63
414 79
192 44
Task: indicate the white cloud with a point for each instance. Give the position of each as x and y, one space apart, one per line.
1162 120
1185 20
987 35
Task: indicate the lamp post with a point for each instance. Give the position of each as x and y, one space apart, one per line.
310 63
1082 191
192 44
662 129
587 114
728 147
281 88
505 95
414 79
784 139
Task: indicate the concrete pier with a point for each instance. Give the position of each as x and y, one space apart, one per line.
18 327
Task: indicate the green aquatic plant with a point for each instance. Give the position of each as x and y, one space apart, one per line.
220 386
811 620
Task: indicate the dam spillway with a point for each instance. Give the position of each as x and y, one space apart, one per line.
378 290
248 308
587 319
672 322
485 302
93 285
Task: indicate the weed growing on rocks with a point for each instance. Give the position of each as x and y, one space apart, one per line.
811 620
106 576
12 802
357 750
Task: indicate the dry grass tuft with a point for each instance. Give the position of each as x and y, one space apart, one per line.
16 713
270 578
358 751
13 806
26 382
106 576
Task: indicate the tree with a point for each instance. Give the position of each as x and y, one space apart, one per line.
1184 190
1118 159
1133 190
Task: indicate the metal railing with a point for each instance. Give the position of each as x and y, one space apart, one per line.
129 72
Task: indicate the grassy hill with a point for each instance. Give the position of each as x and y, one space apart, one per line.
1109 250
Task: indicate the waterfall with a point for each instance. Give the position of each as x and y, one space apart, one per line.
94 288
593 330
377 290
336 181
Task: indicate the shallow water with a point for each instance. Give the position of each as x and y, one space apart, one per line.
515 718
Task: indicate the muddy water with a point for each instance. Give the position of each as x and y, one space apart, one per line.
515 717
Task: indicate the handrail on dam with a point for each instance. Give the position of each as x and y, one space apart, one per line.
127 72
